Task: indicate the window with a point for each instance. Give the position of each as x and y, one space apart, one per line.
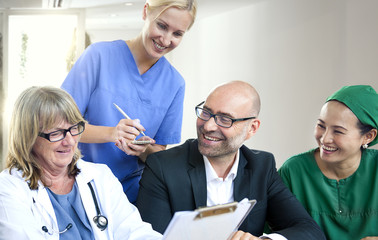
39 50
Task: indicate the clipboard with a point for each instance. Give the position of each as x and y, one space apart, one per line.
211 223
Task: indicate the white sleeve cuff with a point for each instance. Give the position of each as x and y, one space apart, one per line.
273 236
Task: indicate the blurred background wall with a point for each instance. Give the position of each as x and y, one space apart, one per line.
295 53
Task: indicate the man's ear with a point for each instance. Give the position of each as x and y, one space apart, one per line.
254 125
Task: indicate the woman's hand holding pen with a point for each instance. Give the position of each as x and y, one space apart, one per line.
125 132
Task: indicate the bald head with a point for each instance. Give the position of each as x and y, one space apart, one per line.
235 100
240 94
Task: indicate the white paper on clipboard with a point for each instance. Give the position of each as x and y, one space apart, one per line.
210 223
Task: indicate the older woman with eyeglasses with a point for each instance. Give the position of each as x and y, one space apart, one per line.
47 191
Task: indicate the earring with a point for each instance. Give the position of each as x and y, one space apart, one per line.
365 146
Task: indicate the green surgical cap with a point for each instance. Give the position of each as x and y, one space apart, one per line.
363 101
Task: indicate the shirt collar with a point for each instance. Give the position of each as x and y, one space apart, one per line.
212 175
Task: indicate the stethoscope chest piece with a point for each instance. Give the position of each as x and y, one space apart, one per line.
101 222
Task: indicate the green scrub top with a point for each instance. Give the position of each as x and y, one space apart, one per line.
344 209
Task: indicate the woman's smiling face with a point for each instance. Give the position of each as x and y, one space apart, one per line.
163 31
337 133
55 156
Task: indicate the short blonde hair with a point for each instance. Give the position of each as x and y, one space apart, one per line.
36 110
189 5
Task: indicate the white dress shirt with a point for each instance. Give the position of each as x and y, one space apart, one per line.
219 190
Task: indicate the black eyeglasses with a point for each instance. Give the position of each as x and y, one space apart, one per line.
61 134
220 120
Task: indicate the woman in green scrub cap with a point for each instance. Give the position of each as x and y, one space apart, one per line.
337 182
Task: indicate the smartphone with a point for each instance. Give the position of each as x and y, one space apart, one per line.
141 142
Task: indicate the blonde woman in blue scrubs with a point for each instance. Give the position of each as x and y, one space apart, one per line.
135 75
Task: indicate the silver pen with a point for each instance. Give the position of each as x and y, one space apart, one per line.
125 115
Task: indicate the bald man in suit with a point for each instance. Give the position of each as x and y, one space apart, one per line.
217 168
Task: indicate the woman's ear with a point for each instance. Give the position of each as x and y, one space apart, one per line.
370 136
145 9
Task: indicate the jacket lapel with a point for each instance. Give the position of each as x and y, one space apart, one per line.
197 175
88 202
45 206
243 184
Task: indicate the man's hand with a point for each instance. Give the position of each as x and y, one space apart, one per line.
240 235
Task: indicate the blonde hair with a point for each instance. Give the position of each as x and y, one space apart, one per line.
189 5
36 110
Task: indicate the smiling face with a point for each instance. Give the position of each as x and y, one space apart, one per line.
219 142
163 31
337 134
56 156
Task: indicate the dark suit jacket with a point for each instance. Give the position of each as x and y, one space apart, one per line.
175 180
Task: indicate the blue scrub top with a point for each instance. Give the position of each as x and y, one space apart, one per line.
69 209
106 73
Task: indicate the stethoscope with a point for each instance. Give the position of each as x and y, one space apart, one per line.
100 220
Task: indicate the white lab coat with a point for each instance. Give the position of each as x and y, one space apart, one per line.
23 212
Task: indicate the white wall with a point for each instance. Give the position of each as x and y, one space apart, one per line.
295 52
97 35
